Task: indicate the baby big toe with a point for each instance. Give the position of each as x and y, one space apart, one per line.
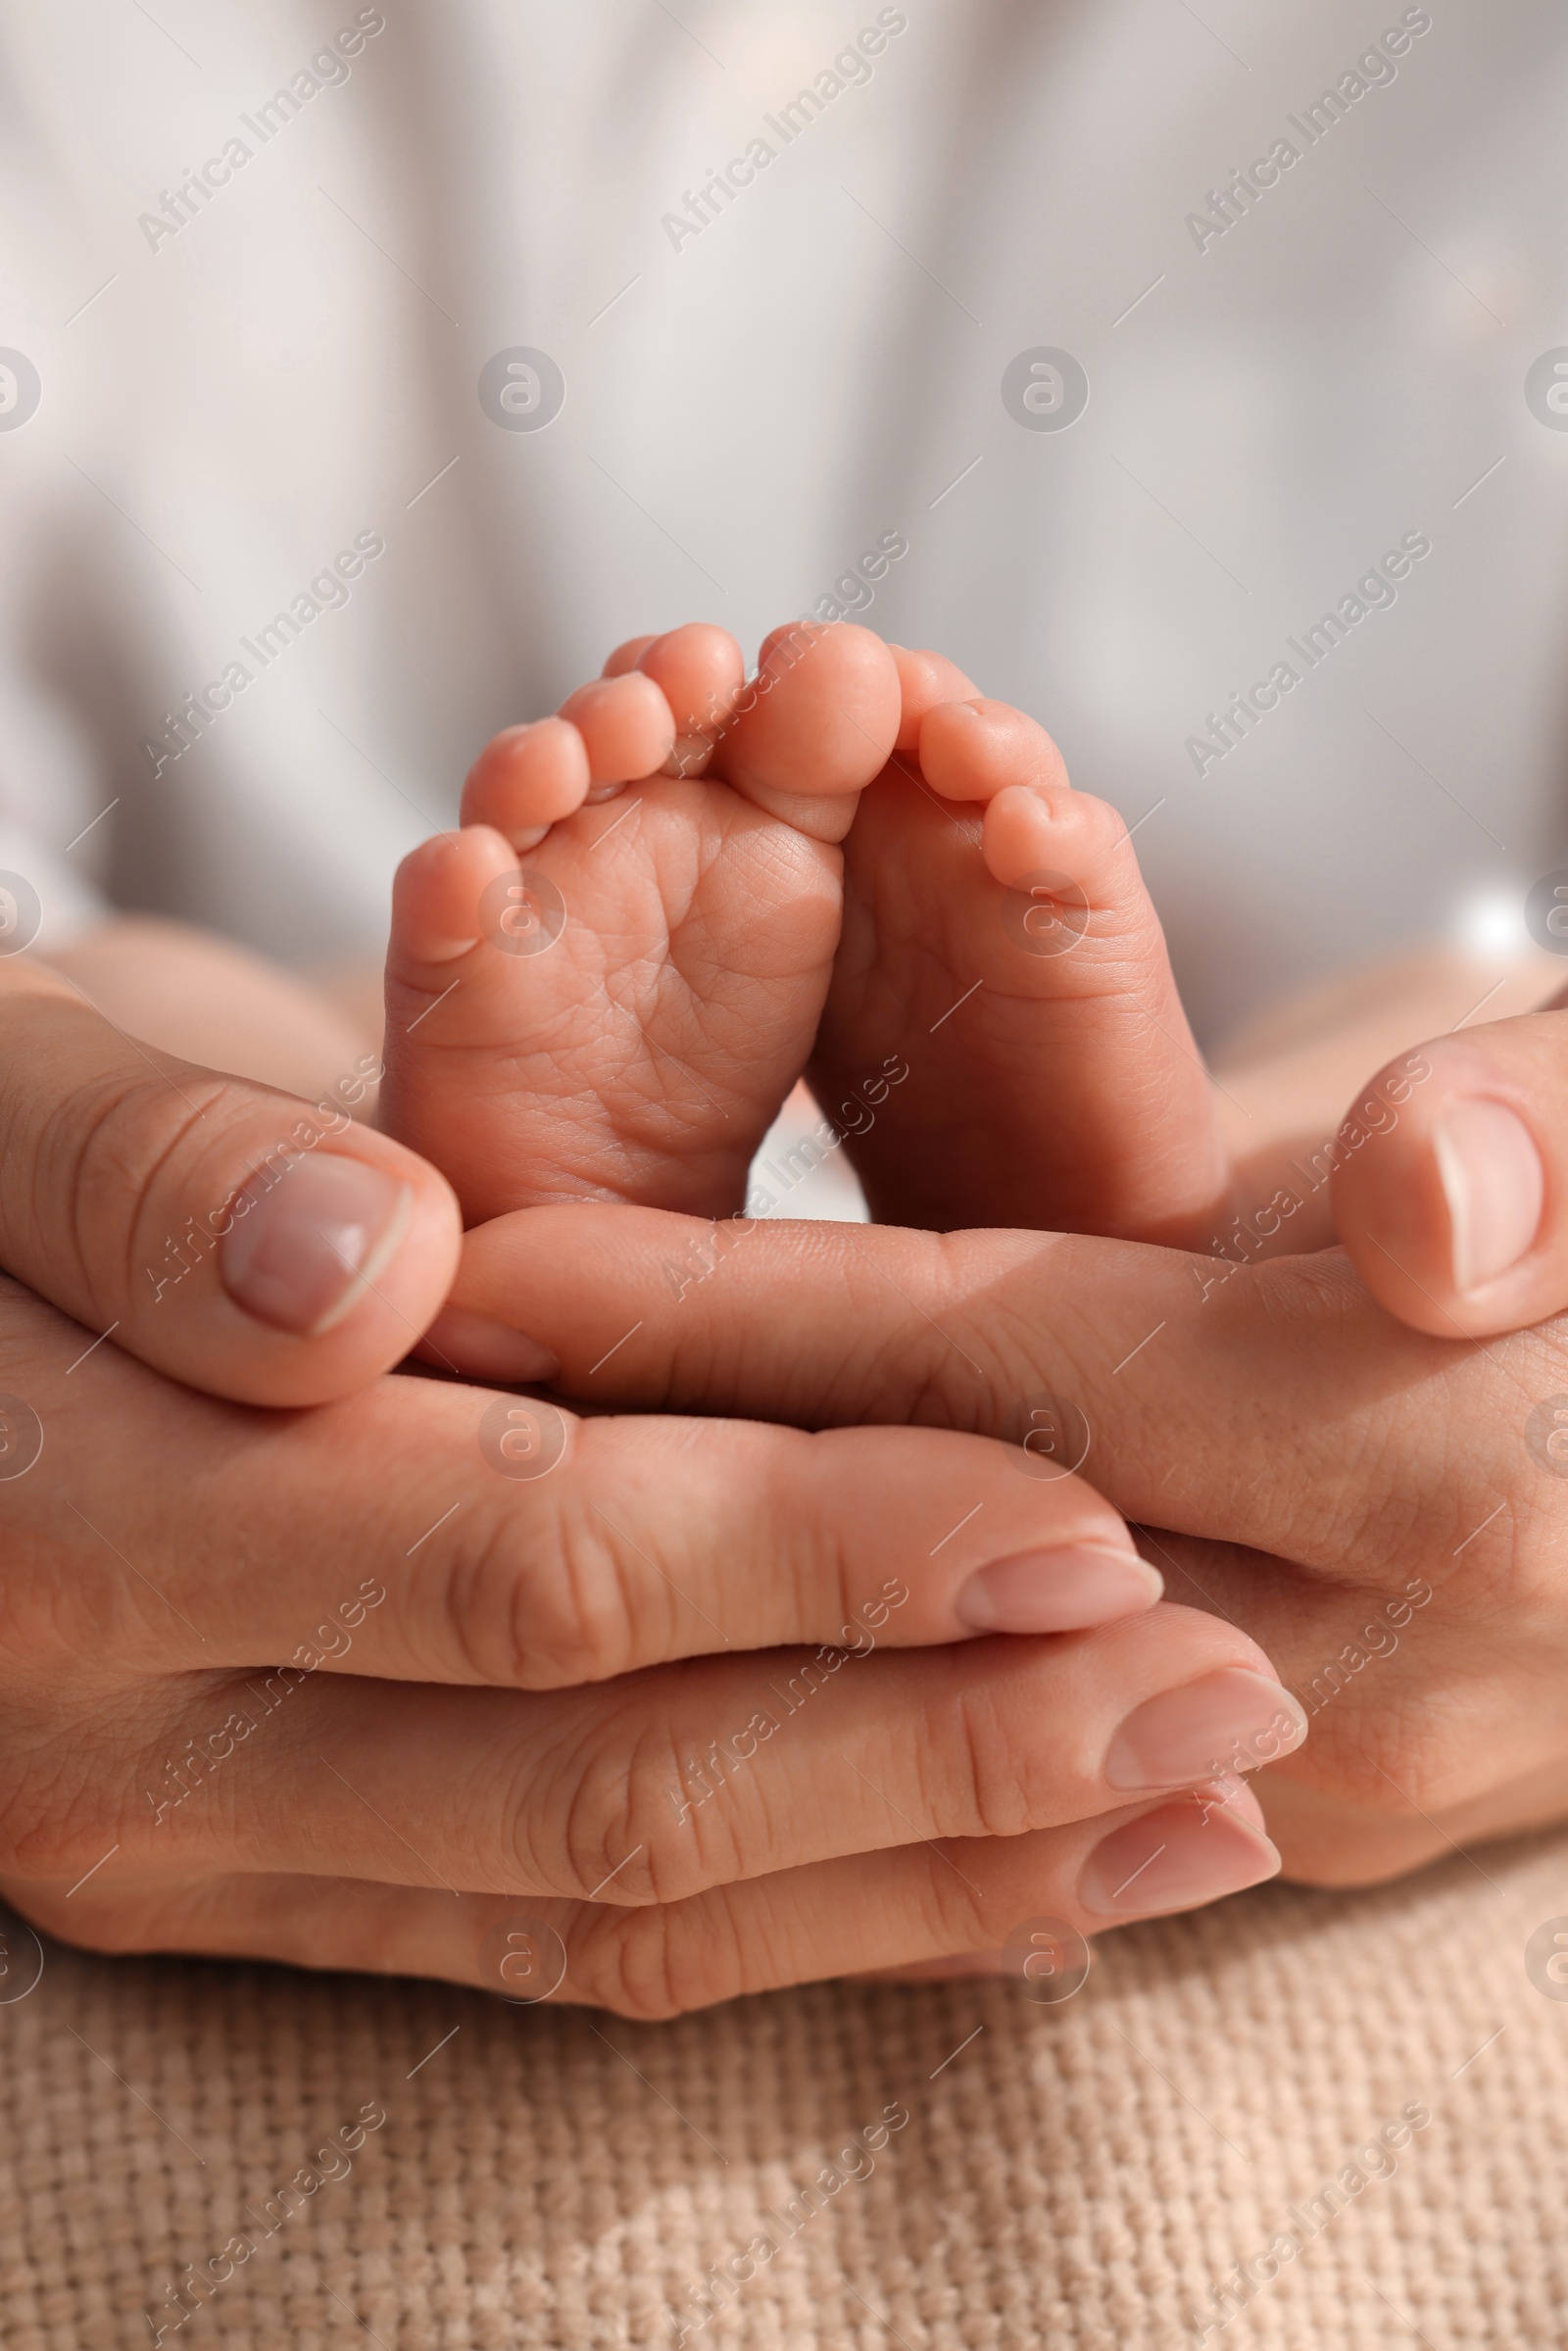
823 717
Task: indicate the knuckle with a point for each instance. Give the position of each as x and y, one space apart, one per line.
976 1779
575 1611
701 1833
682 1846
579 1605
540 1601
946 1912
110 1156
580 1818
652 1965
625 1962
613 1791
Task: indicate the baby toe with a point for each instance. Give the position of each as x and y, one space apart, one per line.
527 779
1074 888
625 724
972 750
1028 827
821 716
626 657
924 681
436 898
1073 856
700 671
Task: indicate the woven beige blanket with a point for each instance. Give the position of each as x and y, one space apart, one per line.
1243 2087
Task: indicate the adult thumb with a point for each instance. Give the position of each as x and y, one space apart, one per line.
1450 1181
248 1243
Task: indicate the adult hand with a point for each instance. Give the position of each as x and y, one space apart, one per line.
1381 1509
572 1704
565 1692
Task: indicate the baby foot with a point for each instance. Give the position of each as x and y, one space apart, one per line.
620 1017
997 936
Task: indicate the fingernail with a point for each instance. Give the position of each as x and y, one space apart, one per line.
461 1341
1173 1858
1056 1591
302 1244
1495 1185
1231 1721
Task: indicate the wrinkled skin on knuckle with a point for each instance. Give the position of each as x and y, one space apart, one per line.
905 1374
919 1380
570 1811
114 1162
702 1373
539 1600
692 1841
480 1605
646 1820
948 1913
83 1154
591 1600
971 1770
637 1965
920 1394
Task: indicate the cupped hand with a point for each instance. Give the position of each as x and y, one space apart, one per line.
424 1679
428 1677
1382 1510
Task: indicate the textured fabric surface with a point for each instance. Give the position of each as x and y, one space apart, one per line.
1078 2176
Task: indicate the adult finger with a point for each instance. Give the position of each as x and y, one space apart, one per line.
431 1532
864 1912
656 1788
1199 1395
1450 1179
244 1242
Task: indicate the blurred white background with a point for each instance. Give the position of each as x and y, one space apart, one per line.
222 409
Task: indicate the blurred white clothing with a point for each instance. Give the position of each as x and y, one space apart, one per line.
243 375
